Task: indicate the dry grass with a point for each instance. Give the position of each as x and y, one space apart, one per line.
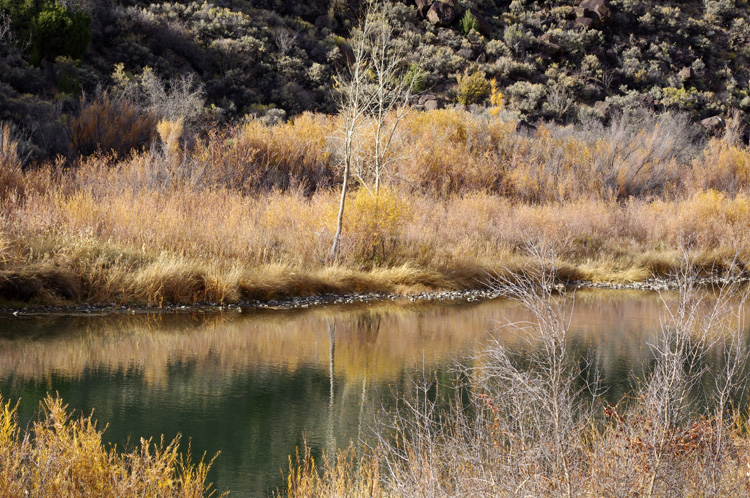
64 456
250 211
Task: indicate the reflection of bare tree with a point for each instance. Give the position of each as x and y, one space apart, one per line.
330 443
368 328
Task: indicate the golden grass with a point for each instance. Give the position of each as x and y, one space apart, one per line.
249 213
63 456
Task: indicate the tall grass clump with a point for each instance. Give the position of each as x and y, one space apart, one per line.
110 123
11 178
63 456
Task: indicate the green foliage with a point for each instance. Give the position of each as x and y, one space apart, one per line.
58 31
52 29
416 78
473 87
468 22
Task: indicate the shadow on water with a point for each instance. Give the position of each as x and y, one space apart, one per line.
256 385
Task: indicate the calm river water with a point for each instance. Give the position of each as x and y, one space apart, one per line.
254 385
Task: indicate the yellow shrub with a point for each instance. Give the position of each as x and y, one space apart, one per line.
65 457
373 223
496 98
170 133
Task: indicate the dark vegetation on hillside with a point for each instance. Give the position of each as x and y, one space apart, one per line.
72 70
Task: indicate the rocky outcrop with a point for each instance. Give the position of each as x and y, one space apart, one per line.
525 127
423 6
685 74
442 14
429 102
593 13
594 9
713 125
604 109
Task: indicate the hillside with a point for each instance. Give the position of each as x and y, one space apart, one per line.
553 60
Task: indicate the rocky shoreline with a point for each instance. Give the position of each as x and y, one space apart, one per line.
322 300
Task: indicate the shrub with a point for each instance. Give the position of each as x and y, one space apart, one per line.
170 133
496 98
374 222
11 178
65 457
473 87
110 124
468 23
58 31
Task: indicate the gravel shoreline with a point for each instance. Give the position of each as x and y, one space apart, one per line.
294 303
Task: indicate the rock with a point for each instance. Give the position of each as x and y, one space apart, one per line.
429 102
425 98
423 6
685 74
432 105
442 14
584 22
594 9
524 126
713 125
604 109
466 53
647 101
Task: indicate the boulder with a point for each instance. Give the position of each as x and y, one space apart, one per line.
685 74
604 109
442 14
524 126
584 22
432 105
423 6
713 125
424 98
466 53
594 9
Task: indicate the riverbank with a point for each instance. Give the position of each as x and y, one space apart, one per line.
655 284
250 212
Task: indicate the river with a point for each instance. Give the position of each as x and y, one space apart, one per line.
255 385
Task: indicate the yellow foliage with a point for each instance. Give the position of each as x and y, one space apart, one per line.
170 133
496 98
374 222
65 457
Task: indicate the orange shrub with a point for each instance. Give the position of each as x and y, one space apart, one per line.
110 124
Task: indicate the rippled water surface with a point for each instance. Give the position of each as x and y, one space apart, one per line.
255 385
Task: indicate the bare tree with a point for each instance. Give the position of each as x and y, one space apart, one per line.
376 88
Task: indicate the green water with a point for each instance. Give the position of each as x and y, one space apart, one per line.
254 386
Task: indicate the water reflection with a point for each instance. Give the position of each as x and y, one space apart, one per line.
253 386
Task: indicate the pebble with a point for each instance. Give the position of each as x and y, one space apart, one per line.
471 296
